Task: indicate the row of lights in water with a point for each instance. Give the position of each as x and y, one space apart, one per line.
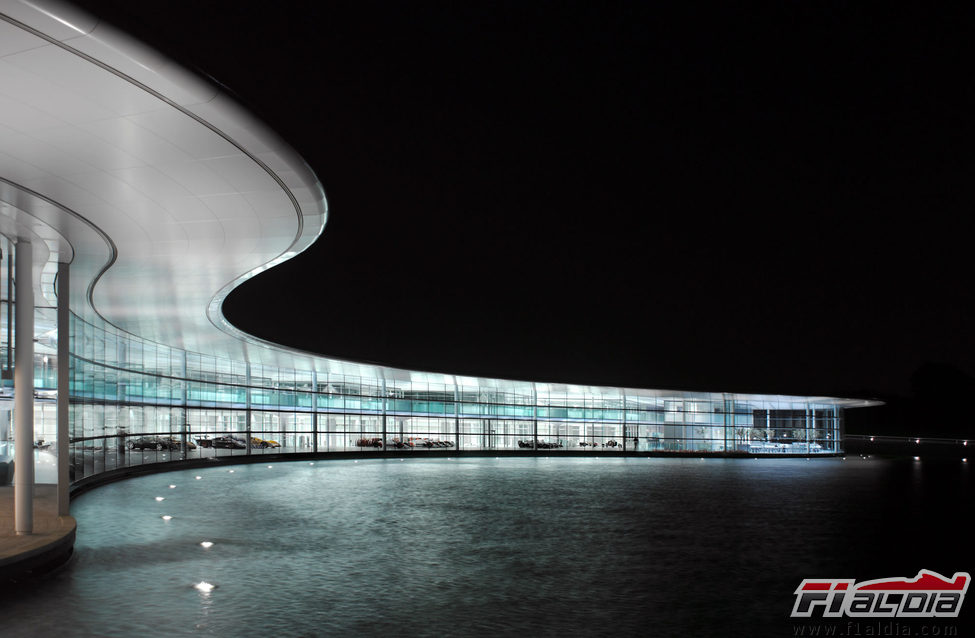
202 586
917 441
916 458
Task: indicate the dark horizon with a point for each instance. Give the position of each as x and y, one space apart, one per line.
771 201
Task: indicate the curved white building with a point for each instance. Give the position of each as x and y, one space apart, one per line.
134 196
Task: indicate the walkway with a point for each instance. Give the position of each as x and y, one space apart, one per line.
50 544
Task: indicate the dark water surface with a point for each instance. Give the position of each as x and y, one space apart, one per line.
487 546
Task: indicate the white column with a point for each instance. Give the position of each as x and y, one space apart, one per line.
622 407
314 412
385 406
535 417
250 415
456 414
64 379
185 414
24 392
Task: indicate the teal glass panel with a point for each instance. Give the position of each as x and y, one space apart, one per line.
371 404
400 405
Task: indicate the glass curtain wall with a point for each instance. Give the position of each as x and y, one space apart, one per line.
136 402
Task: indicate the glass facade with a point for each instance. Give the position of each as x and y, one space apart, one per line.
134 402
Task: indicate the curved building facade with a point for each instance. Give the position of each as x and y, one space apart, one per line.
134 196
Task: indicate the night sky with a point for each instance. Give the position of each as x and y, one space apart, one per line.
772 199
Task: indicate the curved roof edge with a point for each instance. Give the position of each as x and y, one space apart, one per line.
190 141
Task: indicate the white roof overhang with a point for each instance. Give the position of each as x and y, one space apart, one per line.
162 191
184 193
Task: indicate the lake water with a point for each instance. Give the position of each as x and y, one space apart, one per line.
487 546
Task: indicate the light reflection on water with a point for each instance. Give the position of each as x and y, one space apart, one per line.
491 546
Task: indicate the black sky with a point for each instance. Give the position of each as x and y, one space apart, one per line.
775 198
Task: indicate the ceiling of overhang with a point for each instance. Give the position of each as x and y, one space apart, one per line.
192 191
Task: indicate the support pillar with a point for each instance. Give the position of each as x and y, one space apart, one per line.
456 415
24 392
729 418
808 426
10 310
838 429
249 414
64 380
385 410
185 412
314 410
534 417
623 407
